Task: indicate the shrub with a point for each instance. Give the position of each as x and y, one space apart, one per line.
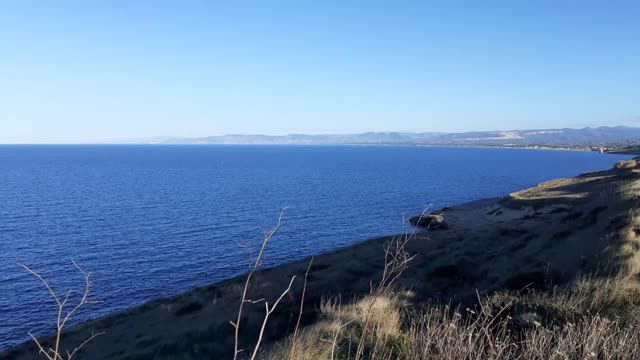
626 164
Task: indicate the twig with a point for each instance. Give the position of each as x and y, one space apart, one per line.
268 235
93 336
295 331
266 317
61 321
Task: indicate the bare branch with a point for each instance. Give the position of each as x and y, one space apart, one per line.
268 235
53 294
295 331
93 336
40 348
266 318
54 353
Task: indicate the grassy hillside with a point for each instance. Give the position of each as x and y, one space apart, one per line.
548 272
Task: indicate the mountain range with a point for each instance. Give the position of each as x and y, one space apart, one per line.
585 137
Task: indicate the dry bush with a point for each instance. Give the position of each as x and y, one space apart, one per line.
595 317
269 309
438 334
626 164
363 329
359 329
64 313
615 297
243 300
561 325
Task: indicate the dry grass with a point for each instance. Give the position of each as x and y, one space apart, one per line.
377 316
438 335
593 319
626 164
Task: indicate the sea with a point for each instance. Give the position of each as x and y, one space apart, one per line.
150 221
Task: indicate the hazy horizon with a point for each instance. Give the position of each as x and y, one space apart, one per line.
158 137
78 72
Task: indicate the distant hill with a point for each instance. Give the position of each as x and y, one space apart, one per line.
617 136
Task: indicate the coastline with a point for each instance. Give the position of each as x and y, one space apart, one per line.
490 244
296 266
479 146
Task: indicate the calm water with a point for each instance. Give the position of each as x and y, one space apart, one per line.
152 221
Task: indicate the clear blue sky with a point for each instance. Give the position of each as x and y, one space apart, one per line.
101 70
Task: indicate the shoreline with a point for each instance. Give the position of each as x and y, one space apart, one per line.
289 264
523 147
490 244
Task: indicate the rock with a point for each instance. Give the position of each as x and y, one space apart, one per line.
429 221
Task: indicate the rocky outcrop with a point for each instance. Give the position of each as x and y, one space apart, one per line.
429 221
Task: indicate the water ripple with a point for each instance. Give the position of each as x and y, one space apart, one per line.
153 221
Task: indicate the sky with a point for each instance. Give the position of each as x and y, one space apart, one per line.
100 71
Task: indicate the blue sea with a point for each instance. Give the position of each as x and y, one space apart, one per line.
151 221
